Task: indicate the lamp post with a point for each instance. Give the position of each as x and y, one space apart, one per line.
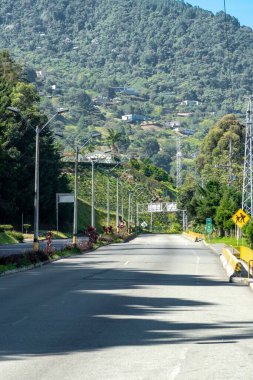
38 130
129 210
92 194
122 202
117 205
108 192
93 135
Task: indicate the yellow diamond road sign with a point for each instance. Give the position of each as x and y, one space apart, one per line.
240 218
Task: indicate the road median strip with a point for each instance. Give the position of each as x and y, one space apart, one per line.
30 260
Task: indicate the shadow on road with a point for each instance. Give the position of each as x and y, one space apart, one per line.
101 308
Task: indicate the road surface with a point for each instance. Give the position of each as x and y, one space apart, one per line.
158 307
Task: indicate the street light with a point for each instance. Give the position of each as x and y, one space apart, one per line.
108 192
93 135
93 160
37 130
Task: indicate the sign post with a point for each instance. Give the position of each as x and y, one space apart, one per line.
62 198
240 218
209 227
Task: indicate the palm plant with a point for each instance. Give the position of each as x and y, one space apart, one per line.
112 138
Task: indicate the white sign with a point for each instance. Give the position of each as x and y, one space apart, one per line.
66 198
171 206
160 207
155 207
144 224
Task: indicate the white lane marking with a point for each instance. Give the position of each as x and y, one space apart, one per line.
126 262
176 371
197 262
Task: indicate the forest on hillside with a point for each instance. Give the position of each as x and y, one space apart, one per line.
169 51
167 61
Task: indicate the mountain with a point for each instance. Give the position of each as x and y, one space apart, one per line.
162 60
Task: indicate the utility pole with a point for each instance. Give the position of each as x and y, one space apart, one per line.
179 163
108 200
92 194
117 204
75 200
247 192
230 163
122 202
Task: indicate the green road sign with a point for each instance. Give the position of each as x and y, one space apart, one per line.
209 225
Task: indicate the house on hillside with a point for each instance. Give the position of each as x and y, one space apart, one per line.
184 114
189 103
173 124
132 118
97 156
126 90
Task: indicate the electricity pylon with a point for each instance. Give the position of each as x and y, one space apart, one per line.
247 192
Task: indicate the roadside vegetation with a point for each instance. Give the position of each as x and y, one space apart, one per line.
32 259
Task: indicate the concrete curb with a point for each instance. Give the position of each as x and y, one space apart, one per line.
214 250
228 269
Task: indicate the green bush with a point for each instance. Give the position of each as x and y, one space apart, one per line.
248 232
6 227
16 235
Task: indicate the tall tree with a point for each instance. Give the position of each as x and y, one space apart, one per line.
17 150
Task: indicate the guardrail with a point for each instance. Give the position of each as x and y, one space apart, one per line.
194 236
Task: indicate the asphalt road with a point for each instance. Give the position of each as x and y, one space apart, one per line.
159 307
16 249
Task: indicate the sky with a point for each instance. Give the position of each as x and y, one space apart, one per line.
241 9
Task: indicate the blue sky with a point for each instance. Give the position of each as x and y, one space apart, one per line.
241 9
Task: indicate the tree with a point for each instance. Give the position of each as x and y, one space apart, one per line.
17 150
113 138
229 204
151 147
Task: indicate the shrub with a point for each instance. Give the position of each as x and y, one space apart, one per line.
16 235
24 259
108 239
108 230
6 227
84 245
92 234
248 231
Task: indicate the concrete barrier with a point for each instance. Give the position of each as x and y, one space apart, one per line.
194 236
230 263
246 254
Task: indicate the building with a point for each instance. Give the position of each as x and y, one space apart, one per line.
132 118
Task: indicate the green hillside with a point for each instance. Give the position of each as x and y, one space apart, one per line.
143 188
108 58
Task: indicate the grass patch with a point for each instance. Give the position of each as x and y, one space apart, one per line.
61 235
5 268
228 241
7 239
